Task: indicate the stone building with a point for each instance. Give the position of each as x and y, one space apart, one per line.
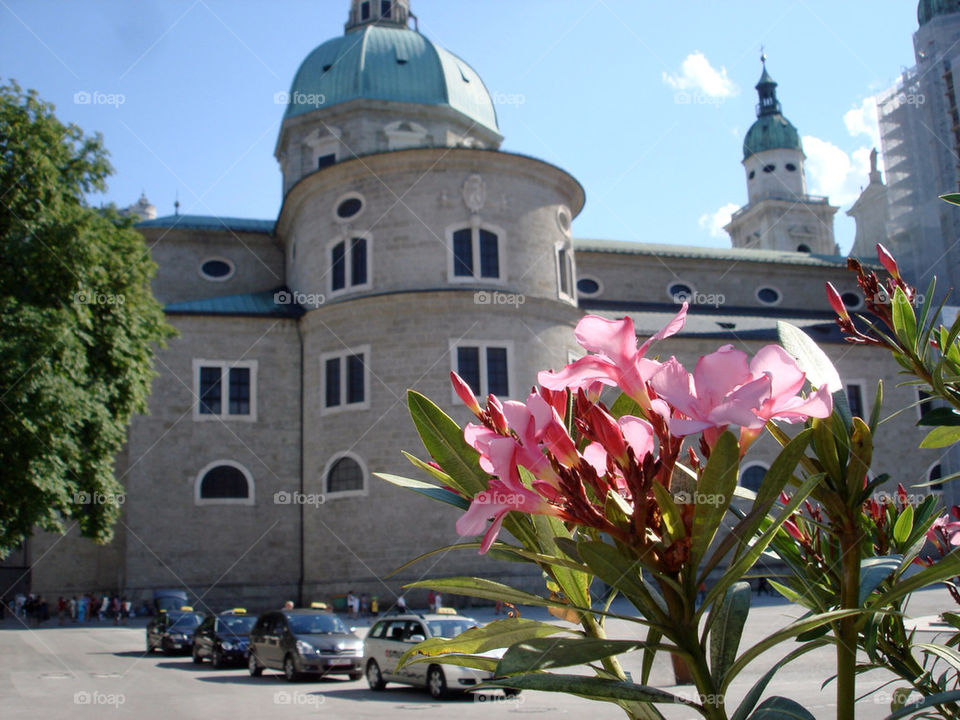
408 245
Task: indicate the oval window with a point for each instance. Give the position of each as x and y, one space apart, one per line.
588 286
563 220
216 269
752 175
768 295
349 207
680 292
791 167
851 300
769 168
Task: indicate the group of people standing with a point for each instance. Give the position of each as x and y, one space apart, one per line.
79 609
361 605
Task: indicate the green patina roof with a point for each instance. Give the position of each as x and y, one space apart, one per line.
388 63
258 304
927 10
209 222
708 253
770 132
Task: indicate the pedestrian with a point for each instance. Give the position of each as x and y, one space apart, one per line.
437 602
43 611
82 609
401 604
497 607
125 606
115 609
73 608
431 597
62 610
18 603
288 605
104 606
364 605
353 605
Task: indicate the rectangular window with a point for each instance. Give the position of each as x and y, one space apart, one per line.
855 399
485 367
462 253
346 379
225 389
338 266
326 160
489 255
333 382
365 10
239 391
358 261
385 8
926 402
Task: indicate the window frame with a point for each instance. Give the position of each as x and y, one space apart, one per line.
673 298
475 226
594 278
484 384
352 195
761 288
198 481
567 249
225 367
342 355
931 399
333 460
347 240
864 398
217 258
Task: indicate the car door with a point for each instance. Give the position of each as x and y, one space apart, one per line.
272 634
203 636
391 647
417 672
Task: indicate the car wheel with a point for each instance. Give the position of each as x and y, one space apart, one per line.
355 675
217 658
374 676
255 668
290 673
436 682
511 692
196 655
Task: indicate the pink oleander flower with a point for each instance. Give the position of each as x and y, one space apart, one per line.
493 504
945 529
888 261
465 393
615 358
786 381
836 302
721 391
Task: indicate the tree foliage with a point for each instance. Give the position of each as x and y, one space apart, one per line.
78 327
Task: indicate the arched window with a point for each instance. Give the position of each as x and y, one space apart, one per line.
476 253
345 474
752 476
224 482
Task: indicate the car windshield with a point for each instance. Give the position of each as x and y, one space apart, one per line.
316 624
450 628
185 622
238 624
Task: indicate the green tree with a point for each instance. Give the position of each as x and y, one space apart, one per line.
78 327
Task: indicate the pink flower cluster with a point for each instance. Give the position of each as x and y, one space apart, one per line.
573 479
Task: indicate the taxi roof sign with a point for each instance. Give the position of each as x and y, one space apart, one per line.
186 608
446 611
318 605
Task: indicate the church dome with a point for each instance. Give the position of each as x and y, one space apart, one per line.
771 129
927 10
396 64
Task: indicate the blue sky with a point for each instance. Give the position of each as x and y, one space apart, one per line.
186 93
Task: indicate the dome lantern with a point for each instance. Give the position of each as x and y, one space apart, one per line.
390 13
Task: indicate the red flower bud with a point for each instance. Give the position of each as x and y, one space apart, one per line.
836 302
888 261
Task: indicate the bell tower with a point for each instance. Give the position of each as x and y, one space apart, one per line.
380 12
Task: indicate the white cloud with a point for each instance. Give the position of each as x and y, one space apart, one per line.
833 172
714 222
697 74
863 121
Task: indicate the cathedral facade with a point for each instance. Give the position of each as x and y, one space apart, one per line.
409 245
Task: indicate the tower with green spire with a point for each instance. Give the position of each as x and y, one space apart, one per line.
779 214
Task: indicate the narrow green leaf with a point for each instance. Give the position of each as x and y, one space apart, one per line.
904 320
672 519
424 488
588 687
479 662
717 483
940 416
940 437
946 567
875 410
619 572
875 570
929 701
726 622
903 526
553 652
481 588
443 439
573 583
781 708
947 654
952 198
625 405
649 654
756 692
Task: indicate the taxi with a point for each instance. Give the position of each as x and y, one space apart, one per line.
223 638
393 636
172 630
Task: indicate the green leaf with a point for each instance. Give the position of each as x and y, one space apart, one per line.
622 573
498 634
929 701
499 550
554 652
947 654
424 488
875 410
753 696
726 622
716 486
649 653
480 662
573 583
904 320
482 588
625 405
940 416
443 439
946 567
953 198
875 570
815 364
672 519
781 708
588 687
941 437
903 526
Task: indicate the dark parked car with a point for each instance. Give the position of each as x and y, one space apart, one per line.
300 642
172 631
223 638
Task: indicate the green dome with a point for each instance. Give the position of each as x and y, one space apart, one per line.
769 132
927 10
388 63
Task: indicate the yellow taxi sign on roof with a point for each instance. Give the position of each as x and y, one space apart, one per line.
239 611
186 607
318 605
446 611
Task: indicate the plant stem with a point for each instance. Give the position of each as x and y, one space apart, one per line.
847 632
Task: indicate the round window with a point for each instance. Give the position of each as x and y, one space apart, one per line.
851 300
588 286
768 295
680 292
216 269
791 167
349 207
769 168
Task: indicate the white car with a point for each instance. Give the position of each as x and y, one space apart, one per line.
393 635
